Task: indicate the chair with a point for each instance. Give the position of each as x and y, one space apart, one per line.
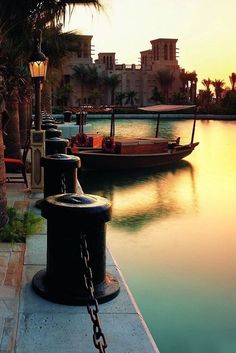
19 163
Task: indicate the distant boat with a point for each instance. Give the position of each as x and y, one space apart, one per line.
134 153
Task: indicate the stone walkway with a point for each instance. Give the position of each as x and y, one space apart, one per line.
11 265
11 268
30 324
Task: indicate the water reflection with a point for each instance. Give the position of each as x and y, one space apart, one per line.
140 196
145 128
180 265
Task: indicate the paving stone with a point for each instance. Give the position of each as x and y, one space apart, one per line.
8 335
36 250
31 303
22 204
46 327
7 292
11 265
73 333
4 259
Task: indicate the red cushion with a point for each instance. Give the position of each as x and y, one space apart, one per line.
13 161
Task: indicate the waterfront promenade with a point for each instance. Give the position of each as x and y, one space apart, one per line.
29 323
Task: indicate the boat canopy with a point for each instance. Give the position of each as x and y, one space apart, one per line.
162 108
89 109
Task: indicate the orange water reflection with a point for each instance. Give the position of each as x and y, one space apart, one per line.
185 258
173 236
196 207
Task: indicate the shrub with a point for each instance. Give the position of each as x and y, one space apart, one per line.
20 225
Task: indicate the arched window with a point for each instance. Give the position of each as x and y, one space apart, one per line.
165 52
157 52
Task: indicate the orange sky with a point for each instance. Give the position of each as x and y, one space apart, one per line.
205 30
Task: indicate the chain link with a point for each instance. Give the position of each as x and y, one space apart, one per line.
99 338
63 183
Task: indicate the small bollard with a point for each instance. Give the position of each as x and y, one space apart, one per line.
52 133
67 116
55 145
46 126
68 216
81 118
60 174
48 121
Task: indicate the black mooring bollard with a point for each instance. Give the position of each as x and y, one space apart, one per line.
67 116
68 216
55 145
49 133
46 126
60 174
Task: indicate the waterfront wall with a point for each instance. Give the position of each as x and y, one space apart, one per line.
154 116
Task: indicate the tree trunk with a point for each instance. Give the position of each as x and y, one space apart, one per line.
3 198
25 116
47 97
12 139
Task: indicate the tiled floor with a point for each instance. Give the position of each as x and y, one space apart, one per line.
11 265
29 323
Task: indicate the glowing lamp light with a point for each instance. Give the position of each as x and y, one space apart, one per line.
38 69
38 62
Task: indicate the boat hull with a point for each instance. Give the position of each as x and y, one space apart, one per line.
94 160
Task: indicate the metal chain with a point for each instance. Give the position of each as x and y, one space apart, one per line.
99 338
63 183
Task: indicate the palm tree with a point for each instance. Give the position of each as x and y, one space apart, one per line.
206 83
192 78
18 17
189 85
93 77
17 21
120 96
219 88
131 98
17 81
63 94
81 74
56 46
232 78
156 96
165 79
180 98
204 99
112 82
95 95
184 79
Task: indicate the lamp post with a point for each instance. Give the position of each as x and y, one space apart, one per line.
38 68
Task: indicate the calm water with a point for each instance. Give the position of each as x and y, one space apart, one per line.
173 235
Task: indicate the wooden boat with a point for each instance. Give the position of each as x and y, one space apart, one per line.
133 153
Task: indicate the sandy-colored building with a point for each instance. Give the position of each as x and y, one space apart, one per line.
141 79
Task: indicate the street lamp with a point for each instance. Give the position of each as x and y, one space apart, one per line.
38 68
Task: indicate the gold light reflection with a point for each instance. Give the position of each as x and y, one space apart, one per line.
173 192
198 246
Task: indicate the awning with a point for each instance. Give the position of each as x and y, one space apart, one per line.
162 108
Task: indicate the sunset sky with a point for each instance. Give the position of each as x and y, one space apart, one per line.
205 30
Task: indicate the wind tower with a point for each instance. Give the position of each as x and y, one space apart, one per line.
164 54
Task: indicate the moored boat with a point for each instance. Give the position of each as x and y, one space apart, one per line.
134 153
